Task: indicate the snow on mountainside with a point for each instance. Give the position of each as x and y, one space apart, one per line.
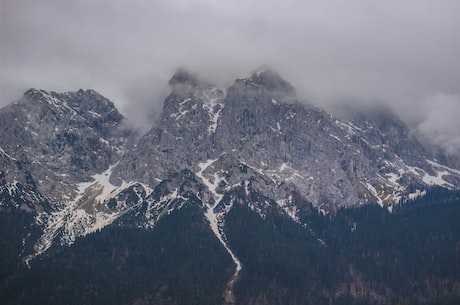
51 146
331 162
68 158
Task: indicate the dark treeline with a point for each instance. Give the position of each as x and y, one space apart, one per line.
361 255
180 262
357 256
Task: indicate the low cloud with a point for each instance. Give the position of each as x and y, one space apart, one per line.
400 53
439 122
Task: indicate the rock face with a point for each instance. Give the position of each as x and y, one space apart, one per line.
63 138
183 136
367 157
53 143
69 159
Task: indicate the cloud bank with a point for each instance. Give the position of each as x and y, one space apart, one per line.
400 53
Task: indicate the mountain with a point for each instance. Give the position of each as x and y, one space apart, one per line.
250 155
52 144
60 139
286 146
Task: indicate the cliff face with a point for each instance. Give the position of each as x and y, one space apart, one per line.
70 161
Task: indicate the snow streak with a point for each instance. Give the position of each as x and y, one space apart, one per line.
214 221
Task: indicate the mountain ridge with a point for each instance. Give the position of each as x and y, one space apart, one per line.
208 141
222 162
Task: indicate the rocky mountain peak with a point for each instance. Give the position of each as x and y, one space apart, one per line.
253 137
62 138
271 81
81 101
183 76
185 83
34 94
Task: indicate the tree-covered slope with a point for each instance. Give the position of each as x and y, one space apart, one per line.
179 262
362 255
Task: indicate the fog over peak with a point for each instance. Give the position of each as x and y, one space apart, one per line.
403 54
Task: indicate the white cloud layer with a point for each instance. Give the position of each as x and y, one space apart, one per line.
440 122
402 53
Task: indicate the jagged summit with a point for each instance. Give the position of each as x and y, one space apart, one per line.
68 169
184 77
185 84
265 77
70 135
270 80
80 101
33 93
249 138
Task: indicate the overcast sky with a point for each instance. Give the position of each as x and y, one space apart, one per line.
404 53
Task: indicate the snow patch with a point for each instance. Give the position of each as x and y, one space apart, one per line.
213 104
7 155
211 185
393 178
106 188
416 194
289 208
74 221
438 165
348 126
336 137
438 179
181 111
94 114
216 218
374 192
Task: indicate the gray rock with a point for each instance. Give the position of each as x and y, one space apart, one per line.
69 159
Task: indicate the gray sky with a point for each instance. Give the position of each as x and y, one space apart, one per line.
404 53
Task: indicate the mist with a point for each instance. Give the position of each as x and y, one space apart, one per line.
403 54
